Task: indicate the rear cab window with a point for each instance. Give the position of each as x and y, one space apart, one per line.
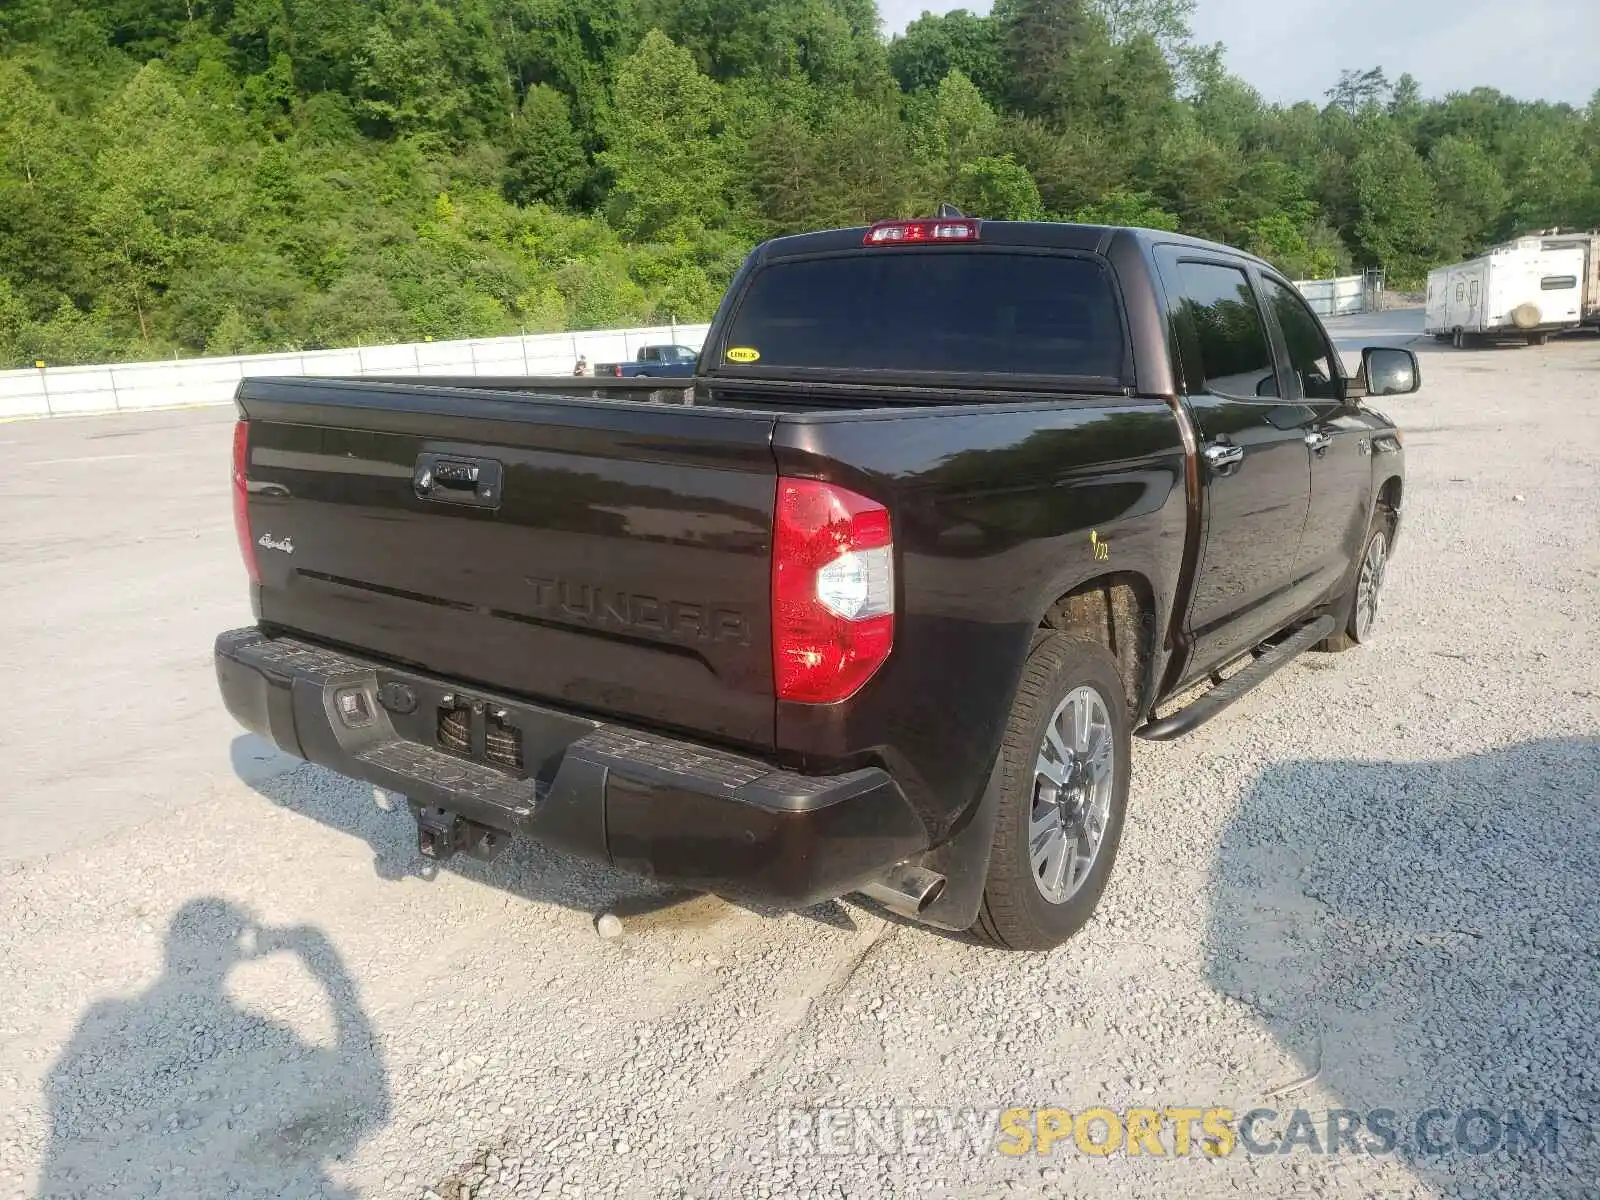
961 311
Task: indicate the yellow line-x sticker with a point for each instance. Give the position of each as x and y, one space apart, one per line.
743 354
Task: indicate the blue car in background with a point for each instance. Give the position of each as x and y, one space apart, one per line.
654 361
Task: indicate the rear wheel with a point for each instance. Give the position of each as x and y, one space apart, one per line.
1360 608
1064 791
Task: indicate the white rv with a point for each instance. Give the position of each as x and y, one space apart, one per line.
1518 291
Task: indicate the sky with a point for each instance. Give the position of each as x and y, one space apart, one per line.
1291 50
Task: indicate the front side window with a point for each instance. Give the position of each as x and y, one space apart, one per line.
1309 352
1231 338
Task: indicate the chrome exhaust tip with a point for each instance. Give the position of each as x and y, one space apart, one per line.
905 889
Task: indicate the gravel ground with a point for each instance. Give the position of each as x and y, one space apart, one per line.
229 975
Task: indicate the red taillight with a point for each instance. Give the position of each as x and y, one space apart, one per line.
910 233
832 591
241 499
617 370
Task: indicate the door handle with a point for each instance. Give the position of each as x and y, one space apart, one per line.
445 479
1318 442
1220 456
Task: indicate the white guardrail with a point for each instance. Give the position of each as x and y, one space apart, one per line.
131 387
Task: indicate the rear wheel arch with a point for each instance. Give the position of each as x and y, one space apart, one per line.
1116 610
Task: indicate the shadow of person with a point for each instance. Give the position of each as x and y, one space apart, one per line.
179 1091
1422 938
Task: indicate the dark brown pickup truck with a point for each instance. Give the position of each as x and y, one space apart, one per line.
874 603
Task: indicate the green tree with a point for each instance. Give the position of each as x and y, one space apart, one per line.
1555 184
1472 195
1359 91
546 161
1054 56
1138 209
935 44
1397 205
15 327
1165 22
429 66
1299 251
1000 189
670 172
43 183
956 127
831 43
185 175
573 46
157 201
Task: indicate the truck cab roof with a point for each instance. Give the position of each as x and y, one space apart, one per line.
1050 235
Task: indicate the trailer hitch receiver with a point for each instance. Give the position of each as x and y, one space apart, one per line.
442 833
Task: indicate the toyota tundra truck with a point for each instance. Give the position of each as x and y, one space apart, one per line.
873 604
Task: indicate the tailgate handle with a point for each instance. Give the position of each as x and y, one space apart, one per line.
451 479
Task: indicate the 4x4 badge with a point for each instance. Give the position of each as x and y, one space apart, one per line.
267 542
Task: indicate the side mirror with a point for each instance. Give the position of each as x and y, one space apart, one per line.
1387 371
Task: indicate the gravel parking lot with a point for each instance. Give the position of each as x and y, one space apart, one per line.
1369 887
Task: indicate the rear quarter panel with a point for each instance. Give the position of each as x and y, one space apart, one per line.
993 507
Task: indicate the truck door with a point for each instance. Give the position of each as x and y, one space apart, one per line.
1339 442
1254 460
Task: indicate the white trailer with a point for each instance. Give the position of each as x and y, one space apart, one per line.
1520 291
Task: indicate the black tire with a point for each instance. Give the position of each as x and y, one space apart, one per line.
1538 339
1350 633
1015 913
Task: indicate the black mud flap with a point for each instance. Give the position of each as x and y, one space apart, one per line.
964 863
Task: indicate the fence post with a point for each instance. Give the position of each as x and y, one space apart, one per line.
44 387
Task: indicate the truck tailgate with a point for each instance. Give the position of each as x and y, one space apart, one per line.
609 556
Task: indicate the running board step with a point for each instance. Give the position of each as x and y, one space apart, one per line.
1268 661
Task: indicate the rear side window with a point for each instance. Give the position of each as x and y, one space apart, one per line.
966 311
1222 317
1558 283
